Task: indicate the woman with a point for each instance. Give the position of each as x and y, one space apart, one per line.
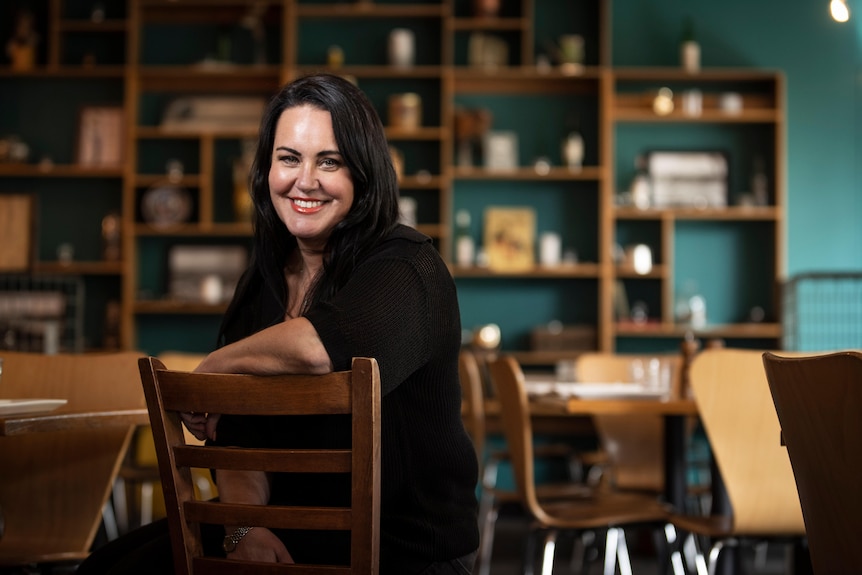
332 276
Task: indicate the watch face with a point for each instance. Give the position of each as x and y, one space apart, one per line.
228 544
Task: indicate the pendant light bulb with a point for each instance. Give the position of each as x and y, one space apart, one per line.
840 11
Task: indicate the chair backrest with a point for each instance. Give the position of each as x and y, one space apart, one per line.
355 393
634 443
54 485
736 409
473 402
818 400
508 380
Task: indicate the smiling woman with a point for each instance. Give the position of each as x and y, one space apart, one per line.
334 276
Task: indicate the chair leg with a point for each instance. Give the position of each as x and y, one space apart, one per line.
549 547
486 541
611 548
530 552
623 553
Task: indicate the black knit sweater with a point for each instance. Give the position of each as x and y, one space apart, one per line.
401 308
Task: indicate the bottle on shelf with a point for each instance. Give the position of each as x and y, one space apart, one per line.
640 185
760 183
689 47
465 248
573 148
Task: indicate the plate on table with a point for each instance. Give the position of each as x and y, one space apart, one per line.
13 406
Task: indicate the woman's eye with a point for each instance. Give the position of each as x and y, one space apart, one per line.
288 159
331 163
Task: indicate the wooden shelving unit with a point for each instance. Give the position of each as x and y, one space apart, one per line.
532 100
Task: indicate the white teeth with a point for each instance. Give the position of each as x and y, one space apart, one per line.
308 203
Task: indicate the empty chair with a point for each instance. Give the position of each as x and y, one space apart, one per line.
818 400
354 393
610 511
736 409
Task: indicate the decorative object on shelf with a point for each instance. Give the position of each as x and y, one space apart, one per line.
199 113
550 249
111 234
573 151
487 51
197 273
402 48
253 21
487 337
640 190
692 102
242 204
662 103
407 211
21 46
542 165
500 148
571 54
335 56
509 238
100 137
730 103
639 258
13 150
554 336
689 47
759 183
620 301
166 203
688 178
465 247
16 216
639 313
486 8
471 126
65 253
97 13
405 111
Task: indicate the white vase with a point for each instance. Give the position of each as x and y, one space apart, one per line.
573 151
690 56
401 48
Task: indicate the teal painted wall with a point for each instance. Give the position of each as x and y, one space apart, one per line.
822 62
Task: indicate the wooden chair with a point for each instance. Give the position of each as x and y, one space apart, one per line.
610 511
633 444
54 485
355 393
137 491
736 409
818 400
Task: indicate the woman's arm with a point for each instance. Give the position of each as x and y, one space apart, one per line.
292 346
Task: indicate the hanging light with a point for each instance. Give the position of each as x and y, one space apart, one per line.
840 11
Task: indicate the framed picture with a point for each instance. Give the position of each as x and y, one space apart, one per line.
101 137
16 232
510 237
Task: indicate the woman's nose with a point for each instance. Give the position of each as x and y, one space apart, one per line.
307 177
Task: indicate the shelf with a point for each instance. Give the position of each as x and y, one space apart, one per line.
658 271
588 173
57 171
82 268
238 229
738 330
707 117
424 133
585 270
173 307
368 9
68 72
524 80
730 213
491 24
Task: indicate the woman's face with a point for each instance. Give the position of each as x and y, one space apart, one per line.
309 183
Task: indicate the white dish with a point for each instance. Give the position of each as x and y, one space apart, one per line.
13 406
611 390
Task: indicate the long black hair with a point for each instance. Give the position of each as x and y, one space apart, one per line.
362 143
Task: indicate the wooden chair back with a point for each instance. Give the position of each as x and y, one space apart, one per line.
54 485
736 409
355 393
634 444
473 402
818 400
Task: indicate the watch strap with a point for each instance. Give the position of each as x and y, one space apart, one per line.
232 540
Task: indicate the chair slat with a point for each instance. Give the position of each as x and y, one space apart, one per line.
270 460
215 566
277 516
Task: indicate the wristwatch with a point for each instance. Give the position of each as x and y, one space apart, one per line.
230 541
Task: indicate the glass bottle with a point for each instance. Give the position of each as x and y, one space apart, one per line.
465 248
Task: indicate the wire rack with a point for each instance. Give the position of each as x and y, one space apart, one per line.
41 313
823 311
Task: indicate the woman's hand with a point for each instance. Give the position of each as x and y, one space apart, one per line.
261 544
201 425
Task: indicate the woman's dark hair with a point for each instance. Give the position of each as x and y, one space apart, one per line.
361 140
